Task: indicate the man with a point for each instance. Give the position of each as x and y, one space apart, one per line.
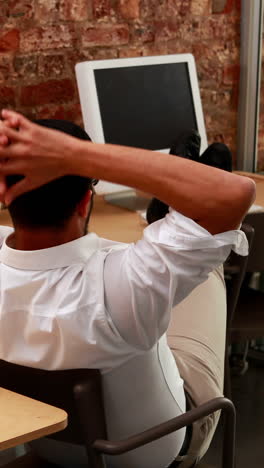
81 301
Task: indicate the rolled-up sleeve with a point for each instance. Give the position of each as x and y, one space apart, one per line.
145 280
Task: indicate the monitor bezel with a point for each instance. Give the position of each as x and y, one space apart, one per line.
89 98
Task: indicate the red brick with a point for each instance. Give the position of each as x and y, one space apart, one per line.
73 10
227 136
209 74
70 112
105 36
130 52
152 8
73 56
3 13
231 74
7 96
101 8
213 56
164 30
173 28
226 6
102 54
201 7
164 9
9 41
129 9
52 65
229 29
155 49
221 99
181 8
19 9
143 33
174 46
26 67
6 68
222 28
51 91
260 161
76 55
46 11
51 37
93 53
29 113
216 117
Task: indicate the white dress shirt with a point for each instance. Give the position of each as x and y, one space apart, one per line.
94 303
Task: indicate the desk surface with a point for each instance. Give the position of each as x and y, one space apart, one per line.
23 419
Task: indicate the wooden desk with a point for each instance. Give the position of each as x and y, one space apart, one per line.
116 223
23 419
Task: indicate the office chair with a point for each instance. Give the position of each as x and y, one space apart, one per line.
235 269
79 393
248 320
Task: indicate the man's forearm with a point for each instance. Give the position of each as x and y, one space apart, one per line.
216 199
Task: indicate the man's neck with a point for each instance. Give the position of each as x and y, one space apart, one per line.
37 239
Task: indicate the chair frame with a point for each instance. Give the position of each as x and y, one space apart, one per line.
101 446
248 323
82 399
235 267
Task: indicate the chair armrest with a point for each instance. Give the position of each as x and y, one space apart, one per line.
231 269
154 433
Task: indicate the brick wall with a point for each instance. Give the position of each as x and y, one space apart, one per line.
41 40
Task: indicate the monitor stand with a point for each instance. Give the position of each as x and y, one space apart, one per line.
129 199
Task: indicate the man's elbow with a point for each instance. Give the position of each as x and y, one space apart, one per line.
232 206
246 195
240 198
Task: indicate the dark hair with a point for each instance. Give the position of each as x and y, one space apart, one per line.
52 204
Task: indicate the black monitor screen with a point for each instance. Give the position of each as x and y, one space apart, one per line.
145 106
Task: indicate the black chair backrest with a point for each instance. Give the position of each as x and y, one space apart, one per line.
60 388
256 257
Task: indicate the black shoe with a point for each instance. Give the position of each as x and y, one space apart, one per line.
217 155
187 145
156 210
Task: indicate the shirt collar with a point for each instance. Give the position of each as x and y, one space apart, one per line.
60 256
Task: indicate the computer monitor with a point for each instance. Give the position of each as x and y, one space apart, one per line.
144 102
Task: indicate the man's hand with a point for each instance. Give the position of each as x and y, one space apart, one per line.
4 141
30 150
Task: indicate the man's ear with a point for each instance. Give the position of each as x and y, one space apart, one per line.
83 205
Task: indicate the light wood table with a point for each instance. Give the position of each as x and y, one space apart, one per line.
23 419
